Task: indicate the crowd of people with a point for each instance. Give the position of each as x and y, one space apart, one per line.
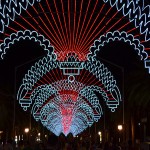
57 143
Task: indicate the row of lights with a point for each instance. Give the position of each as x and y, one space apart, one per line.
26 130
120 128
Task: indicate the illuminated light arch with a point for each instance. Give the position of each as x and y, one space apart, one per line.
68 97
87 112
117 36
53 121
68 40
132 9
27 35
49 118
10 9
102 73
96 68
51 109
39 97
79 117
61 92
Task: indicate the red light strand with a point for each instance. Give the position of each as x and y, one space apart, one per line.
114 24
58 38
64 37
85 31
93 24
87 42
124 25
84 21
12 29
28 23
64 19
54 22
69 25
131 30
54 42
147 48
74 26
81 5
20 25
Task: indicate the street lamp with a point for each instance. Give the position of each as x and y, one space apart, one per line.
26 130
120 127
100 136
39 134
1 133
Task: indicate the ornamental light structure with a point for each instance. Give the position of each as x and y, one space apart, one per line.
68 105
60 88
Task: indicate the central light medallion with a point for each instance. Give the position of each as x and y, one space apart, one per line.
71 66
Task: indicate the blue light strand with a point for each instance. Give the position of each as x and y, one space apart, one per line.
27 35
10 9
140 15
117 36
102 73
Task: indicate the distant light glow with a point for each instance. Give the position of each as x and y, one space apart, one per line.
120 127
16 139
26 130
100 136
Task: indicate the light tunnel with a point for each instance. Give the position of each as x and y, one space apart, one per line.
50 97
60 89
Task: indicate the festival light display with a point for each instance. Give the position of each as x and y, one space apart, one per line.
61 89
61 99
117 36
10 9
135 12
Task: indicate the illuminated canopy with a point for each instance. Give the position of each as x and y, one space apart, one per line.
61 89
62 94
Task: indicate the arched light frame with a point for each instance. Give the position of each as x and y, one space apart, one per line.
139 14
129 8
87 101
27 35
12 8
135 13
117 36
